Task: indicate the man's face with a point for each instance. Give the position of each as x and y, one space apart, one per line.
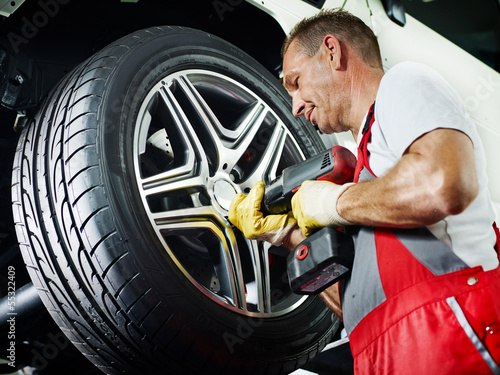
314 88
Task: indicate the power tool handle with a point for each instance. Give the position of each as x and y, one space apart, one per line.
336 165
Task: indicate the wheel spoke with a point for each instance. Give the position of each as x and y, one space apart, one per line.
183 217
165 183
194 149
212 241
230 144
260 293
271 156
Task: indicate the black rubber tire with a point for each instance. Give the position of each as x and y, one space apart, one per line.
89 249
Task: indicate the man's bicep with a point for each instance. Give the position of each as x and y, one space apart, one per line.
434 178
447 156
443 142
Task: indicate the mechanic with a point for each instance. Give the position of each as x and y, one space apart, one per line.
423 296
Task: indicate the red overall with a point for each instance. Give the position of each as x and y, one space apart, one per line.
432 313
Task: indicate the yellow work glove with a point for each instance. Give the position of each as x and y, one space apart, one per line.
245 214
314 206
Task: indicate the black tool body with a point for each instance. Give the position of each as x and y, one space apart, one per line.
319 261
326 256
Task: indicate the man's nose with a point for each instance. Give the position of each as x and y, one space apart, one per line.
298 106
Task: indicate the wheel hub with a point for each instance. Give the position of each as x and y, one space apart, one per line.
224 193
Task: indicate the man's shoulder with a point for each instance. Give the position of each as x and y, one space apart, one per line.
411 71
414 99
414 83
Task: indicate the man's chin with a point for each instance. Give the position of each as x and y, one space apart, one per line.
325 129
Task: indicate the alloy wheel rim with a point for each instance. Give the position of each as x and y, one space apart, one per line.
200 138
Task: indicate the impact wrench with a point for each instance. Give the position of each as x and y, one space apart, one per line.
326 256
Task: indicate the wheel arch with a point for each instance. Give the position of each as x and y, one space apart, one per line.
41 44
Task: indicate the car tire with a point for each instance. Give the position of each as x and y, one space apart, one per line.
121 187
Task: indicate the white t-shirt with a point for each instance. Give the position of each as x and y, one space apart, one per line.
412 100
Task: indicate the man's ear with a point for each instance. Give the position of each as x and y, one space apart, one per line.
332 50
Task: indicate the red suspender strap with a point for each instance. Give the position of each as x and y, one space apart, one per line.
363 146
497 232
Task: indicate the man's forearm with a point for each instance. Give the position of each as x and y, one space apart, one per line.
331 297
294 237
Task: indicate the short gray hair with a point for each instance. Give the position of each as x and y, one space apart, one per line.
349 29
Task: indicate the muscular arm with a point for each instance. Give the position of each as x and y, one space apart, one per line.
436 177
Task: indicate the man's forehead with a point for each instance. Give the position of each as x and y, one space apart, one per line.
290 55
292 63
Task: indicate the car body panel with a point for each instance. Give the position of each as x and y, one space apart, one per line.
7 7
